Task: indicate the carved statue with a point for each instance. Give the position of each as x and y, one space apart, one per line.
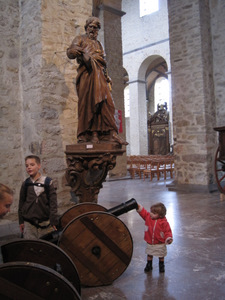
96 121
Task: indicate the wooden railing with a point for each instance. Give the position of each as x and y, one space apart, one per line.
144 166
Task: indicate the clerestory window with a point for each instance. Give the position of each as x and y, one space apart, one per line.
148 7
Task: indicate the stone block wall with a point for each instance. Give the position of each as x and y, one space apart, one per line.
192 91
61 22
10 97
217 9
38 96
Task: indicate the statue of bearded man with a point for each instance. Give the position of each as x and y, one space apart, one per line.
96 108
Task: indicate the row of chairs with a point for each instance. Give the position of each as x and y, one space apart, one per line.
150 165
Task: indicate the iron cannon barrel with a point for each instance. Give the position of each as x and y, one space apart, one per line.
118 210
123 207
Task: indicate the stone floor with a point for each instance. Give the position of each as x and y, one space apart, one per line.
195 263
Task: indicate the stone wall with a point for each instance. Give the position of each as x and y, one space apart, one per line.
61 22
38 97
11 102
218 46
192 91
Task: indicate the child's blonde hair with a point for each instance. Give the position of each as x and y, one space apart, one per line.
159 208
4 189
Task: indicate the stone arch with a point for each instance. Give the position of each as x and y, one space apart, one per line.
138 119
151 69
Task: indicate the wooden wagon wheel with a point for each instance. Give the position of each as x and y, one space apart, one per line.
26 281
43 253
219 168
100 245
78 210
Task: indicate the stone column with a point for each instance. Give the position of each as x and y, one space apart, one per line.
134 116
110 35
192 92
170 109
138 115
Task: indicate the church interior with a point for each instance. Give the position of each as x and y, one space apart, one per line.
167 67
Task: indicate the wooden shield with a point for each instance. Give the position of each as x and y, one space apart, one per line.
78 210
100 245
43 253
26 281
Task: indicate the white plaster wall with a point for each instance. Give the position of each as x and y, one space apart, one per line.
139 32
143 40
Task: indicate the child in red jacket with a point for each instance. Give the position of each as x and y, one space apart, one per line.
158 234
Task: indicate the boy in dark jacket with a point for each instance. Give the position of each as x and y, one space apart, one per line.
38 202
158 234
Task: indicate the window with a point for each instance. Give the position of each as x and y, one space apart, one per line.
148 7
161 92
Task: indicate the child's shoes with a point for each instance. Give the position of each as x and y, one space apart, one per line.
161 267
148 266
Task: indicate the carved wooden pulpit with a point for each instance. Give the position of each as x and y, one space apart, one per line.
158 131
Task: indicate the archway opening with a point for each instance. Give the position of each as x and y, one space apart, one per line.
157 86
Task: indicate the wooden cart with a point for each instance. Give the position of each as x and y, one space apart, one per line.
91 248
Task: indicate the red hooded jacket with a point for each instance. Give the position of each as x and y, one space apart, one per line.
156 231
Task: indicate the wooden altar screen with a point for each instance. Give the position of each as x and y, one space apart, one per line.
158 132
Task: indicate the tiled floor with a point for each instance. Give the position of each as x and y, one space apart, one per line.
195 263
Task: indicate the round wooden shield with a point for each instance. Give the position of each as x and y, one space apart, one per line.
23 280
100 245
78 210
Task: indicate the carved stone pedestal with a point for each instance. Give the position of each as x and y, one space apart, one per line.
88 165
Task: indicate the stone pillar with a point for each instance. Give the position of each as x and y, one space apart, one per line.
217 21
192 92
138 115
110 35
143 123
11 103
170 109
134 116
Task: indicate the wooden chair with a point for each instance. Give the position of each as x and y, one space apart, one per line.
162 165
169 167
152 170
141 166
133 166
